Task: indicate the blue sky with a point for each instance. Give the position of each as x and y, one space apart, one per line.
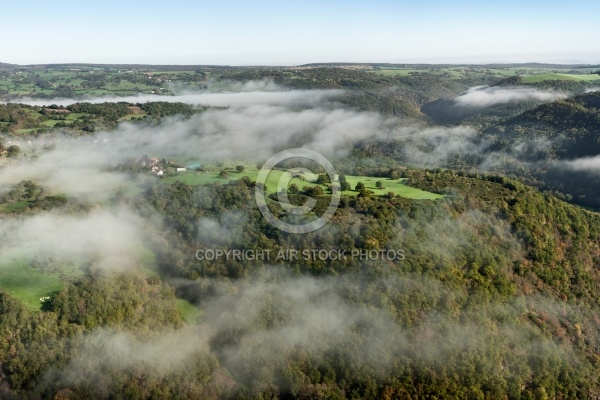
286 33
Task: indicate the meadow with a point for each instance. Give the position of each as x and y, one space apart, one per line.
26 283
561 77
529 75
275 183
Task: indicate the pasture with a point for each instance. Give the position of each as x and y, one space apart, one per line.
277 179
26 283
561 77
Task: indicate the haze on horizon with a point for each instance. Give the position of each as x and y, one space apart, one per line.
266 32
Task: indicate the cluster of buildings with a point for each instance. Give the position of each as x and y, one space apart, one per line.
156 167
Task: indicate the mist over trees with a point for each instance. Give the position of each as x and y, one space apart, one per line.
490 291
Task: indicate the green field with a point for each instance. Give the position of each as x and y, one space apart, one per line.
190 312
26 130
274 183
27 284
529 75
24 282
12 207
114 82
212 176
397 186
52 122
74 116
560 77
395 72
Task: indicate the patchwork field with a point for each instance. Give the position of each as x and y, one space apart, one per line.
277 178
529 75
561 77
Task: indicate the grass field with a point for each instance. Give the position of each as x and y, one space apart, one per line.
394 72
24 282
530 75
27 284
26 130
274 182
12 207
130 117
189 312
74 116
397 186
561 77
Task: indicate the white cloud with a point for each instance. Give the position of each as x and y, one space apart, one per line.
487 96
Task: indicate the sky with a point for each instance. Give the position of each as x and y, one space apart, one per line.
265 32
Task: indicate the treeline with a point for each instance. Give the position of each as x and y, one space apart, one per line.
163 109
27 197
17 118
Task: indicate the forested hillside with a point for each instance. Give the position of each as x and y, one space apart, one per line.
455 266
496 297
82 118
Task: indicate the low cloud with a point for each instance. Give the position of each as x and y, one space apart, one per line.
487 96
267 319
74 168
227 230
87 166
250 133
229 86
253 130
437 146
105 352
217 94
588 164
109 238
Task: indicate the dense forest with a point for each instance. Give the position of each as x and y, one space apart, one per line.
489 290
488 302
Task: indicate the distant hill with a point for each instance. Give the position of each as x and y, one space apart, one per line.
173 67
448 65
448 111
572 126
554 144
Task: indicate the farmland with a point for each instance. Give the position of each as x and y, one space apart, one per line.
561 77
27 283
274 182
528 75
